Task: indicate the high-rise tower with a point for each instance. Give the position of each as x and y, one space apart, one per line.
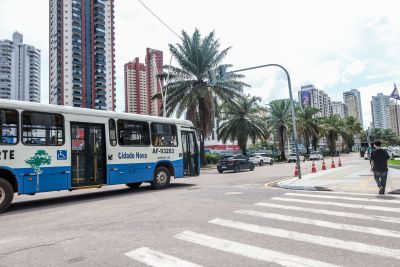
19 70
82 53
352 100
142 83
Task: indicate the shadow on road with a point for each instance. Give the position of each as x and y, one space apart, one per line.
40 204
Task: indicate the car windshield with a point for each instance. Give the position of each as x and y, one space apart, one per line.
253 155
314 153
292 155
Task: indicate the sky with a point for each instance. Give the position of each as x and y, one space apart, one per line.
335 45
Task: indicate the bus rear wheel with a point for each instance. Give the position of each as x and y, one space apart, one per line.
162 178
6 194
133 185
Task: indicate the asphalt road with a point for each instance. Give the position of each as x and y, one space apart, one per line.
211 220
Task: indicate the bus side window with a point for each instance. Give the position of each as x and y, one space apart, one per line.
164 134
8 127
133 133
112 132
43 129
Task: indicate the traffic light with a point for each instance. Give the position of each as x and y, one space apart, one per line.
212 79
222 72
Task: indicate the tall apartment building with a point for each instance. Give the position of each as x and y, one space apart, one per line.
352 99
82 53
311 96
339 108
19 70
142 83
154 62
380 111
394 119
136 94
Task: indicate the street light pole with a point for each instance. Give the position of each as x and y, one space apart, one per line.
291 106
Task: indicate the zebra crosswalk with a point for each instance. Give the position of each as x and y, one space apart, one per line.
366 220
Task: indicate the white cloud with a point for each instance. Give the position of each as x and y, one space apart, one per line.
355 67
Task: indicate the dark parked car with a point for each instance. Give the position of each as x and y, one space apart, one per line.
235 163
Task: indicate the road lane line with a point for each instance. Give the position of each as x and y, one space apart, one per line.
332 213
320 223
314 239
158 259
343 205
360 194
250 251
345 198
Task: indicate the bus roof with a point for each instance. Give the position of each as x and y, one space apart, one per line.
32 106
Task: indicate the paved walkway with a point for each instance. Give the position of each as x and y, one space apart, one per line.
354 177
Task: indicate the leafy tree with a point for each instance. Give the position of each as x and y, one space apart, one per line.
332 127
189 90
38 160
307 125
351 128
242 120
387 136
279 120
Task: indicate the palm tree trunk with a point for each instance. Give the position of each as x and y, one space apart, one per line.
331 142
307 142
282 143
203 160
243 145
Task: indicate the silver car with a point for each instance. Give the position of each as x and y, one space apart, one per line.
316 156
261 159
292 158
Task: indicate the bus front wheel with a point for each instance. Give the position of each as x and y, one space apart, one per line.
6 194
133 185
162 178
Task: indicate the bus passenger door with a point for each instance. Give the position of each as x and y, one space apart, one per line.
190 154
88 151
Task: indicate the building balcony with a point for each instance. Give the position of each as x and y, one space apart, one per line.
77 101
77 95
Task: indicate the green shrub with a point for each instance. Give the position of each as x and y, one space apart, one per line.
212 158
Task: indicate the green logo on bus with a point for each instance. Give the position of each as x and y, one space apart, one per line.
40 159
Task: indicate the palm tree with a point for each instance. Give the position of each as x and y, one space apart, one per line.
279 120
307 125
242 120
189 91
332 127
352 127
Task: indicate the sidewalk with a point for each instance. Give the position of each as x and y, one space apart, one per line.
355 177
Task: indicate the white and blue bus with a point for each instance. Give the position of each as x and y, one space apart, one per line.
50 148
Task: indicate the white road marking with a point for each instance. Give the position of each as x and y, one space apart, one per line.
314 239
250 251
345 198
233 193
332 213
360 194
158 259
344 205
320 223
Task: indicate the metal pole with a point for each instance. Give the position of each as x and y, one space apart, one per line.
164 95
397 121
291 106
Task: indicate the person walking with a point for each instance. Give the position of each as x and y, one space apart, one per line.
379 165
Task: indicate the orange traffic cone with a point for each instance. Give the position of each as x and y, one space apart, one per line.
333 164
340 163
313 169
296 171
323 165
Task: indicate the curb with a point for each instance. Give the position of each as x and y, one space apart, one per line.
276 184
304 187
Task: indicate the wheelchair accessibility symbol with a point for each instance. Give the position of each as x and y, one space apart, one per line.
61 154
